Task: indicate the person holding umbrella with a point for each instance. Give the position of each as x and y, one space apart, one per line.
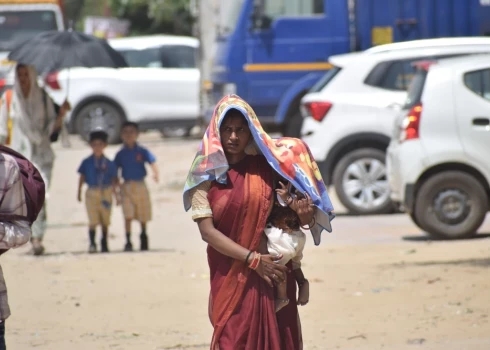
34 125
35 121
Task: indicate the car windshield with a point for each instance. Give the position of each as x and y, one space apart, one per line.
327 78
167 56
16 26
416 88
229 14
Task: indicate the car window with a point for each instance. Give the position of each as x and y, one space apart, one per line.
416 88
142 58
327 78
179 56
479 82
397 75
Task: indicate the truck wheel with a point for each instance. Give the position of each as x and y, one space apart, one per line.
293 126
99 115
451 205
361 182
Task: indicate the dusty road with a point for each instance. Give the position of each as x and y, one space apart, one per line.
376 282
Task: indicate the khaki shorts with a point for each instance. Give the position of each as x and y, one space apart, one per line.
136 201
98 212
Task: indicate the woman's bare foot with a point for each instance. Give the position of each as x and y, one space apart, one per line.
37 247
280 303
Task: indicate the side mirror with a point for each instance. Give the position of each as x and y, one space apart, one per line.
259 21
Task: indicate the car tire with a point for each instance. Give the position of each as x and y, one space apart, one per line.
100 115
451 205
293 125
351 174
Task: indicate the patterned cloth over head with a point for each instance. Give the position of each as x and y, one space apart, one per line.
289 157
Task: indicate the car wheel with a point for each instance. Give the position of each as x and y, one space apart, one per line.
451 205
100 115
293 126
174 132
361 182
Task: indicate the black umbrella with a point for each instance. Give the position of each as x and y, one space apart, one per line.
53 51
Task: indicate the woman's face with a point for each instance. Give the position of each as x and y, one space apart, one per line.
235 134
24 79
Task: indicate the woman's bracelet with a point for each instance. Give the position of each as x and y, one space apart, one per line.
310 225
248 256
255 261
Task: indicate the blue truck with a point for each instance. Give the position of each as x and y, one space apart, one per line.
271 52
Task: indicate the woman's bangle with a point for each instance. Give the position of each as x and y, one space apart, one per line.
248 256
255 261
310 225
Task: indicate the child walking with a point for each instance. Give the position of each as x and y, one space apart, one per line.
100 175
285 238
132 159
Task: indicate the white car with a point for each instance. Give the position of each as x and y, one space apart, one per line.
159 89
349 115
438 162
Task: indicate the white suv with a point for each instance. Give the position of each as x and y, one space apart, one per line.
349 115
159 89
438 162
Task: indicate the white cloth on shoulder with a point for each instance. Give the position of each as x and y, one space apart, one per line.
290 245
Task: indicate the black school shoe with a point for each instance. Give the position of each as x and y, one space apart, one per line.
92 249
128 247
103 246
144 242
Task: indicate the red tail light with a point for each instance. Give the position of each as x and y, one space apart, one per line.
411 123
318 110
3 83
52 81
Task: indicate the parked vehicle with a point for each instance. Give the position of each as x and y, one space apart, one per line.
159 89
438 162
349 115
272 52
23 19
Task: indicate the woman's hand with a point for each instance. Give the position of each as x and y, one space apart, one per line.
65 108
270 271
305 209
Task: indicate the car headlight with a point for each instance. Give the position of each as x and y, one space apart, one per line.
229 88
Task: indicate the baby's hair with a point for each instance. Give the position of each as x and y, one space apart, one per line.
100 135
130 125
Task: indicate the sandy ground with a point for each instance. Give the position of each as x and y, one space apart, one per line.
376 282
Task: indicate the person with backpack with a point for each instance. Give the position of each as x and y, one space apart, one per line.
21 199
34 125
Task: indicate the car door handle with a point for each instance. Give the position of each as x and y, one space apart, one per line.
481 122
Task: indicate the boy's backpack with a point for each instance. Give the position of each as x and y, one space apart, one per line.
34 187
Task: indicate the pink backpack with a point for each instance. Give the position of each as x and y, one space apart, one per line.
34 187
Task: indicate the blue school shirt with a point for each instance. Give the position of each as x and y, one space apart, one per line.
132 162
98 172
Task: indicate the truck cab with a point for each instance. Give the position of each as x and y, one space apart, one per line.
271 52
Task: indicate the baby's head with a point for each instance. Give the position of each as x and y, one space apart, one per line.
129 133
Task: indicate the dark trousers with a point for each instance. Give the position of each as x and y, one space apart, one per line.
2 336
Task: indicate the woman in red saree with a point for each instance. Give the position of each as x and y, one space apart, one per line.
231 214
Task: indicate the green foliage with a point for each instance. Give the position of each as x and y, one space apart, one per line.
155 16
